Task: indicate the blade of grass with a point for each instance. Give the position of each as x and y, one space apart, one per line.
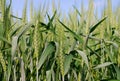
77 11
96 25
103 65
84 57
73 33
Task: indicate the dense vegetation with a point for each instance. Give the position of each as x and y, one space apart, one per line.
80 47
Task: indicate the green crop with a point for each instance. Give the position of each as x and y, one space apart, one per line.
44 47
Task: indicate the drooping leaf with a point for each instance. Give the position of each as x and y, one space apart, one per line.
49 49
67 62
103 65
24 29
84 57
16 37
113 43
15 30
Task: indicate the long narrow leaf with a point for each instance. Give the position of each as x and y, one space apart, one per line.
49 49
96 25
73 33
14 45
84 57
103 65
24 29
77 11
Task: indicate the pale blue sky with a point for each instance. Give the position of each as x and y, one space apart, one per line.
65 5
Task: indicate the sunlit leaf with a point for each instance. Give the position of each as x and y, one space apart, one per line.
48 75
14 45
113 43
103 65
84 57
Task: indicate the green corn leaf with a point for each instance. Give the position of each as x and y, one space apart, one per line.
67 62
49 49
103 65
96 25
73 33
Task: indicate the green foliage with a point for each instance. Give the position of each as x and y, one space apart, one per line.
49 49
73 48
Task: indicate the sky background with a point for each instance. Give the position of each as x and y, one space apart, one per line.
65 5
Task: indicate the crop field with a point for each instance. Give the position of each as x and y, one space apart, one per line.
53 47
